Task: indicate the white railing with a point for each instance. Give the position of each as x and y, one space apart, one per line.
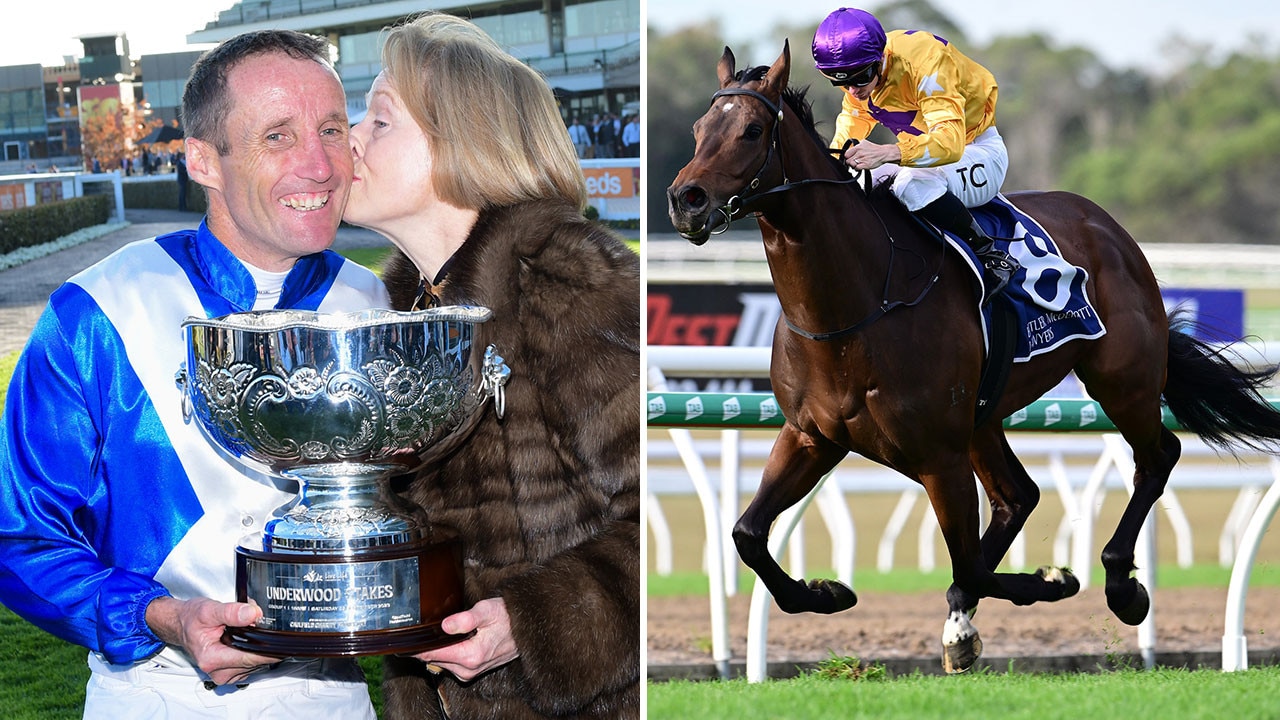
1241 534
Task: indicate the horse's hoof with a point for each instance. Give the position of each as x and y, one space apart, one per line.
1134 611
831 596
961 646
1061 576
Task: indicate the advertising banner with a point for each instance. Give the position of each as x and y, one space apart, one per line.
745 315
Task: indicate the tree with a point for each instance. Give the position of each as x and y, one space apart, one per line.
110 131
682 79
1183 156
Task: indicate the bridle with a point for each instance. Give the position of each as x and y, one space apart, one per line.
736 203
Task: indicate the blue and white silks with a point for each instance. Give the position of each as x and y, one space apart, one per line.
108 499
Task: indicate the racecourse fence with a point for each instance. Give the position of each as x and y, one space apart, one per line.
1066 431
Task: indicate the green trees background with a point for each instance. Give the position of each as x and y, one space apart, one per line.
1191 155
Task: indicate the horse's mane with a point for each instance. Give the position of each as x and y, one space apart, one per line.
796 99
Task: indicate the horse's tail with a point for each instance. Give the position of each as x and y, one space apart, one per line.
1213 398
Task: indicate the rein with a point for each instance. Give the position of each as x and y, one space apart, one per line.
736 203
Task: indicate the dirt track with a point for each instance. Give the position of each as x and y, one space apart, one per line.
894 626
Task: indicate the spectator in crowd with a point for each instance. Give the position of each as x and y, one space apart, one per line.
580 137
631 137
183 179
605 137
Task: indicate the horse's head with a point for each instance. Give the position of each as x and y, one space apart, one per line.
733 147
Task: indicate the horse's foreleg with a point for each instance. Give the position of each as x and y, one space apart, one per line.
1011 493
796 464
955 503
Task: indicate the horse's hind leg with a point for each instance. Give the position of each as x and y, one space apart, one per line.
1125 374
796 463
1155 451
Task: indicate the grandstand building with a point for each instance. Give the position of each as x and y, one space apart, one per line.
589 51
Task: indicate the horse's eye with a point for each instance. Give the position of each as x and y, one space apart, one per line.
753 132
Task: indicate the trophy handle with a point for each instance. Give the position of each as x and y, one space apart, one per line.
180 379
493 380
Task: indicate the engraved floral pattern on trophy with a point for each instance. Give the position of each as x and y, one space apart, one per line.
398 404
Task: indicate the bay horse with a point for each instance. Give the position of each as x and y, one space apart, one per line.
879 351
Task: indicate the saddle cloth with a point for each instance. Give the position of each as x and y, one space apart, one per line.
1047 292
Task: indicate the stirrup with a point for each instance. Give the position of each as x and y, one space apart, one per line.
999 260
999 267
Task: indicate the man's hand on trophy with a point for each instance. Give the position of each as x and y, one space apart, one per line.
197 626
490 647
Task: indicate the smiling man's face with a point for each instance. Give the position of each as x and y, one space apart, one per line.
279 193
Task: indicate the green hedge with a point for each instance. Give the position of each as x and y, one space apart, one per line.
163 195
591 213
29 226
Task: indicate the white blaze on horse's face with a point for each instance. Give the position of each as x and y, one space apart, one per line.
727 107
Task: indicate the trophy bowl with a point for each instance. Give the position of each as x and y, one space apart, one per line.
340 403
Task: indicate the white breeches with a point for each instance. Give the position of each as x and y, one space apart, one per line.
975 178
154 690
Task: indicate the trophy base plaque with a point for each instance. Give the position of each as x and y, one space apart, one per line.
373 601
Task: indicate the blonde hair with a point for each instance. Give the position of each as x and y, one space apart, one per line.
497 137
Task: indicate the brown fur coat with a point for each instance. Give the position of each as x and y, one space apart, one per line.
547 500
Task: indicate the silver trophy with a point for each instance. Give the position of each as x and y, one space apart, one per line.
341 403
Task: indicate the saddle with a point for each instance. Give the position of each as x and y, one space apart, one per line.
1044 305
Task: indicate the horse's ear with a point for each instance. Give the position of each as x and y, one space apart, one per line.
775 81
725 68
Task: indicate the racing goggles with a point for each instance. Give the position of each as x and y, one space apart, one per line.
860 76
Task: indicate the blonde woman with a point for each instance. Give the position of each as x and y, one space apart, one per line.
464 163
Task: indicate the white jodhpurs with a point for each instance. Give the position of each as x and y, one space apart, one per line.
975 179
294 690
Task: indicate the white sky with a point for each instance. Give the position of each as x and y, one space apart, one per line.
42 32
1124 33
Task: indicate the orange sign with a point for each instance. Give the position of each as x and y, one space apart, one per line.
611 182
12 197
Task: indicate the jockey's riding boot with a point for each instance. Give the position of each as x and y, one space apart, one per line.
998 266
949 213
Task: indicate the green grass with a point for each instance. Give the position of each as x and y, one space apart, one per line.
6 371
371 258
43 678
909 580
1162 693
